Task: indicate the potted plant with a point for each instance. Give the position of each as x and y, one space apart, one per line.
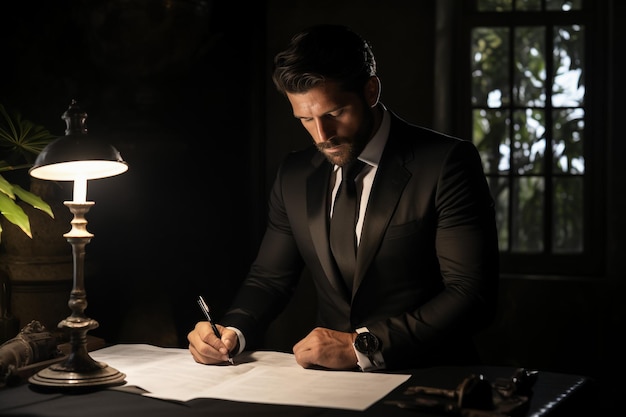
25 262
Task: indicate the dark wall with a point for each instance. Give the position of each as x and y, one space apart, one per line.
172 89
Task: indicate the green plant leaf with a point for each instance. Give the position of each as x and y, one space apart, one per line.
10 137
20 140
6 188
14 213
32 199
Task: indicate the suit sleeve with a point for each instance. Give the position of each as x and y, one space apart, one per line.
466 249
272 278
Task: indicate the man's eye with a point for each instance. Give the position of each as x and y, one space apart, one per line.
336 113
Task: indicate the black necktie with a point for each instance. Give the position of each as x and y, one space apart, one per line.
343 223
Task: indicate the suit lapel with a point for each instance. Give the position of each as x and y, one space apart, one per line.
391 178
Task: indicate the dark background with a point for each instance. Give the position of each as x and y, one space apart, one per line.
171 85
183 90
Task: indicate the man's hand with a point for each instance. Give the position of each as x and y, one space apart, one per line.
326 348
206 347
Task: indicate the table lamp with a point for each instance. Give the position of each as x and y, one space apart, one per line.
77 157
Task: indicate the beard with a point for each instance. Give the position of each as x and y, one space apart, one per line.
351 146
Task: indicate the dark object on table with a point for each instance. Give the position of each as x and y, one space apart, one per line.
32 345
475 396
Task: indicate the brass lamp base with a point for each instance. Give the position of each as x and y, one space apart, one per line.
78 369
56 376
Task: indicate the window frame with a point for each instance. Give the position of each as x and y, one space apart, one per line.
463 19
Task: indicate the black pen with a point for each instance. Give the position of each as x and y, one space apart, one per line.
205 309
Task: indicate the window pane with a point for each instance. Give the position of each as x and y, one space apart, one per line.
527 221
567 232
568 89
528 5
564 5
530 66
567 144
490 85
529 143
494 5
492 140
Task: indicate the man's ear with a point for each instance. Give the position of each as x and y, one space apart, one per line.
372 91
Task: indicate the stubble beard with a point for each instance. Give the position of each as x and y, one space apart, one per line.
342 158
352 148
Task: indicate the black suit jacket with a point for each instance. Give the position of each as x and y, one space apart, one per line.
427 264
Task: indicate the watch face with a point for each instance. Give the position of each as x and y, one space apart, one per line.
366 343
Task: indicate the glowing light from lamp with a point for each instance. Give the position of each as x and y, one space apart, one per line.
79 172
69 171
80 190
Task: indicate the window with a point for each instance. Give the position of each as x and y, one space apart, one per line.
529 113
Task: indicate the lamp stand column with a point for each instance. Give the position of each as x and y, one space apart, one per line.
78 369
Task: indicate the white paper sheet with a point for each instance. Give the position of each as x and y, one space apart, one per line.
260 377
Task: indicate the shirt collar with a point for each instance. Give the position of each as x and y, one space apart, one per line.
374 148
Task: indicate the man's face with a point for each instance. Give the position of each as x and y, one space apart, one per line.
339 122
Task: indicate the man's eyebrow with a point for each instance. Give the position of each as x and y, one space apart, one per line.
323 114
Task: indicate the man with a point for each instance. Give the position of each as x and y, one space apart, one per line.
425 269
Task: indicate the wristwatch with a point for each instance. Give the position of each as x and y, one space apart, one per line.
367 344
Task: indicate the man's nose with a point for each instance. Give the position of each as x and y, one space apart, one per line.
325 130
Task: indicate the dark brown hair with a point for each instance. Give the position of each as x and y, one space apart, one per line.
321 53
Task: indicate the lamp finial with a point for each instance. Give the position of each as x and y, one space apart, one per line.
75 119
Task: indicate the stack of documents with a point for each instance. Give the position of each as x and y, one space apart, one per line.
259 377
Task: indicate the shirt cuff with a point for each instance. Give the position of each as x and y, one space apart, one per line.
241 337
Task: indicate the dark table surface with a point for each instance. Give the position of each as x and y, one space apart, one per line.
553 394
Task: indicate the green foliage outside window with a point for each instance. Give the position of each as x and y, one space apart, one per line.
527 95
